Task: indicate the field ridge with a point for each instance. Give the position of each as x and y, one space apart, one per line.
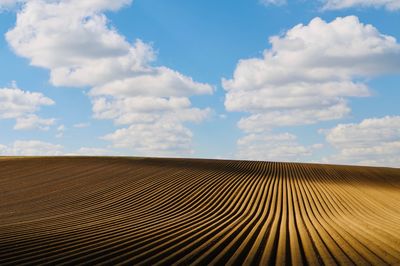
154 211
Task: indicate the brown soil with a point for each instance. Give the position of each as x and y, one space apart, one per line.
185 211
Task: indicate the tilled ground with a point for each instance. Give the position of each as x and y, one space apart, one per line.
184 211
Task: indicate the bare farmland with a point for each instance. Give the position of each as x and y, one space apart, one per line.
181 211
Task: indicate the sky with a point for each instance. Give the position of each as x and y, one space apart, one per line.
308 81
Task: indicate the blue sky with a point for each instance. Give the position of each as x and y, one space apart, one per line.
323 91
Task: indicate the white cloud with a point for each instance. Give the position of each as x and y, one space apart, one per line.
261 122
160 81
41 148
106 69
31 148
33 122
341 4
22 105
307 76
273 2
147 109
155 125
15 102
374 141
66 35
162 138
75 41
278 147
310 68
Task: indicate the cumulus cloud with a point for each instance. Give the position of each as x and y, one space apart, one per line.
273 147
263 121
31 148
72 38
162 138
147 109
32 121
15 102
22 105
160 81
341 4
311 68
76 42
308 75
374 141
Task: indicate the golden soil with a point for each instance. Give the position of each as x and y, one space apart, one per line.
185 211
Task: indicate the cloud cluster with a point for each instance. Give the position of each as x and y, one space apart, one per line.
308 74
310 71
22 105
141 109
32 121
162 138
273 147
42 148
75 41
341 4
31 148
374 141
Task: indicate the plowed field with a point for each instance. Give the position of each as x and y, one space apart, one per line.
181 211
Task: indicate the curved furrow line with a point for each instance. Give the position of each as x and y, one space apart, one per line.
371 206
367 204
268 254
250 244
353 247
322 243
368 218
80 189
27 195
235 233
127 231
282 252
238 210
151 211
350 224
128 191
62 175
308 249
330 248
63 217
296 250
256 248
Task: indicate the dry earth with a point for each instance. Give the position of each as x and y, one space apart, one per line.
180 211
